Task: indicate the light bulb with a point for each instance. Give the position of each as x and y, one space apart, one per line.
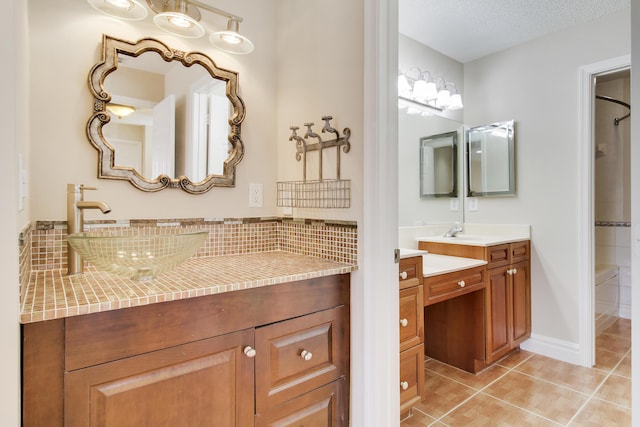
122 4
179 21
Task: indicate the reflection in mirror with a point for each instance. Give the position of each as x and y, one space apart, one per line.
439 165
164 118
490 160
414 209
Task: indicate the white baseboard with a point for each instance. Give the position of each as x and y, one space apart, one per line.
624 311
551 347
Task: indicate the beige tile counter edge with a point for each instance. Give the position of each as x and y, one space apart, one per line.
51 295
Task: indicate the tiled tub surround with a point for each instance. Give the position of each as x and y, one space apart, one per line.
613 247
239 254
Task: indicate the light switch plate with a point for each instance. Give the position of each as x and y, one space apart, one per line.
473 203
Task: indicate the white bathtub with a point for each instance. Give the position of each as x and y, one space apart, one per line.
607 295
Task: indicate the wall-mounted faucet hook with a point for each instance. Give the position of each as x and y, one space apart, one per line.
327 126
294 132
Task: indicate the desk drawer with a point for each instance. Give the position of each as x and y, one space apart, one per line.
450 285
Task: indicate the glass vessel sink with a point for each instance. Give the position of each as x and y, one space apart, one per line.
135 255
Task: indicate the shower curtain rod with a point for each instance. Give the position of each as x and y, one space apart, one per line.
617 120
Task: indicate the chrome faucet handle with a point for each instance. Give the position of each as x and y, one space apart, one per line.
84 187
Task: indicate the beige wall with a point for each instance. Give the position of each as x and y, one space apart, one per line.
536 85
69 32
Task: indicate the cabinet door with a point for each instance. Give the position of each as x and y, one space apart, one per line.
204 383
322 407
411 377
497 306
299 355
521 289
411 317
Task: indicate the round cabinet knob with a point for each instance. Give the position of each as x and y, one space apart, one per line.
404 385
403 275
404 322
509 272
461 283
249 351
306 355
514 271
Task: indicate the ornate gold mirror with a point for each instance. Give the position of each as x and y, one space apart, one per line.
163 118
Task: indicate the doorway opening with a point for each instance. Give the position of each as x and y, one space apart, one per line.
612 211
604 219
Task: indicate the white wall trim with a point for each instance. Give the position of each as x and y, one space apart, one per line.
585 150
375 357
552 347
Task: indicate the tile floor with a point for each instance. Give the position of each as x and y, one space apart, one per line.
526 389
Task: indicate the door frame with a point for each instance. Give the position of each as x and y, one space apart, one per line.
586 217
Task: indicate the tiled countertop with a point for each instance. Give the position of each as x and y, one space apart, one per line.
51 295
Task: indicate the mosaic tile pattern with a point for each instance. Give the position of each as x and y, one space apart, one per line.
50 294
333 240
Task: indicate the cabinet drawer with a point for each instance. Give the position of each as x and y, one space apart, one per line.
411 317
411 377
410 272
323 407
498 255
450 285
299 355
501 255
520 251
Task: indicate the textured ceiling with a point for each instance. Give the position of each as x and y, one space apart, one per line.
470 29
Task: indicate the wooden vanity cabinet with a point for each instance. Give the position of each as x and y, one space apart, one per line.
411 333
232 359
507 295
508 298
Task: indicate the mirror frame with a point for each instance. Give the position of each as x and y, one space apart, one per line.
107 168
454 164
510 129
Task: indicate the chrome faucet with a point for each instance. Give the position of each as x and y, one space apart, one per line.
75 221
453 231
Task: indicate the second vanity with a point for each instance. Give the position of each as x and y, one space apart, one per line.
476 300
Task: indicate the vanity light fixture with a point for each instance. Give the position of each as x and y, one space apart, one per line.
422 93
182 18
123 9
120 110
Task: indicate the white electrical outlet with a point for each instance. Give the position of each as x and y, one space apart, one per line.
255 195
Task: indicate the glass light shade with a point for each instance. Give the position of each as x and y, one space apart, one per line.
122 9
431 91
455 102
404 88
444 98
230 40
120 110
179 24
420 90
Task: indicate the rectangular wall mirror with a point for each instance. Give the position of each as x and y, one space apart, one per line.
490 160
439 165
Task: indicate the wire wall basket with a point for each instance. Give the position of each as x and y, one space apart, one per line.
321 193
315 194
